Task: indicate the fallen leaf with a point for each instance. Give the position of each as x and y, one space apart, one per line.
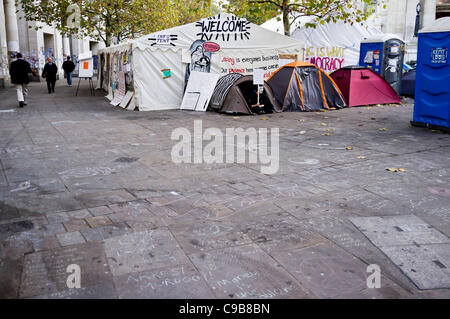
383 129
302 132
349 148
235 117
373 118
396 170
264 118
326 134
361 157
323 124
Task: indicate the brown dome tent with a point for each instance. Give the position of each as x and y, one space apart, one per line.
236 93
301 86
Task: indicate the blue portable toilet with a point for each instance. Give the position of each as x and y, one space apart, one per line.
384 53
432 99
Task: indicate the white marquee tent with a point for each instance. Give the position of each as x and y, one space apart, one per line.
329 46
156 66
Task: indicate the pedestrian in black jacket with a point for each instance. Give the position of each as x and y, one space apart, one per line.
68 67
19 71
49 73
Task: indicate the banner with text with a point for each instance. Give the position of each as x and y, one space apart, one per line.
328 59
244 63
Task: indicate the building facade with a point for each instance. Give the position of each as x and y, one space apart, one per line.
36 41
399 17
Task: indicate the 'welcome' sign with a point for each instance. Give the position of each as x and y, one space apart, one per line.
225 28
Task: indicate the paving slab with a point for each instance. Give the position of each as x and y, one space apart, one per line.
428 266
105 232
419 250
209 235
70 238
398 230
326 270
101 291
105 198
46 272
143 251
246 272
178 282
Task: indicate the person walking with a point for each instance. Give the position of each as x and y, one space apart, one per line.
49 73
19 71
68 67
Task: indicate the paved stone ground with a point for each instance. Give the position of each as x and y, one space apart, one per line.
84 183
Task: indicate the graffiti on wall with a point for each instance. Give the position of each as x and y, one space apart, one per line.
328 59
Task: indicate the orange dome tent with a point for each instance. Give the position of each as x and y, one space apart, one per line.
301 86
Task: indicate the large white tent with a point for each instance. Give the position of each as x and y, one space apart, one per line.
330 46
156 66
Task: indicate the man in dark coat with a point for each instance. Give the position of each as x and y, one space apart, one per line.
19 71
68 67
49 73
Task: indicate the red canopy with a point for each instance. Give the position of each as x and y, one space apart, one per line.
361 86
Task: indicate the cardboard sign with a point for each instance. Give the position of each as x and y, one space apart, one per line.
258 76
199 90
120 93
86 68
369 57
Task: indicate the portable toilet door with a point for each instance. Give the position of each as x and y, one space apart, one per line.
371 54
384 54
432 99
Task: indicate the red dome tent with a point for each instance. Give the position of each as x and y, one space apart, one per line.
301 86
361 86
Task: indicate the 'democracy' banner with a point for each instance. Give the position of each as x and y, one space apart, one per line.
328 59
244 63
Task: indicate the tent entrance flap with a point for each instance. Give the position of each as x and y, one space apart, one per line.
249 92
235 93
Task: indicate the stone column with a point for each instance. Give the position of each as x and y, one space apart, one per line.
395 18
66 46
12 30
4 74
429 12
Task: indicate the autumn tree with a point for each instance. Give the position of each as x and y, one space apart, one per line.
258 11
122 19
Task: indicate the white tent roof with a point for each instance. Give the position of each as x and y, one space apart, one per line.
276 24
339 33
260 37
381 37
440 25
